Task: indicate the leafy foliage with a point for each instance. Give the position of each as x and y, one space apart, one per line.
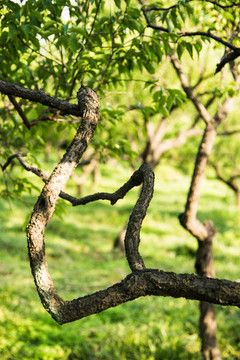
55 45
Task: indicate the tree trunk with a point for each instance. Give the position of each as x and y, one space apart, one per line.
204 233
207 321
208 328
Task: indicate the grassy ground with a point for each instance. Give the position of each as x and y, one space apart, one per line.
81 261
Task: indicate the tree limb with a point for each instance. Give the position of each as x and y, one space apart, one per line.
156 8
139 283
145 283
20 111
143 175
40 97
189 91
135 180
88 103
8 162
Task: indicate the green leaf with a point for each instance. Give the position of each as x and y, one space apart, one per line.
133 24
13 31
180 50
174 18
189 8
163 110
118 3
73 43
167 47
149 67
35 41
46 3
103 20
49 24
26 29
157 49
189 48
198 46
169 102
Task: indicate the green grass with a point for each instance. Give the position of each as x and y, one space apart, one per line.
81 261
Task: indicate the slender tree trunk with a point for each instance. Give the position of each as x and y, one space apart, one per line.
207 321
204 233
210 350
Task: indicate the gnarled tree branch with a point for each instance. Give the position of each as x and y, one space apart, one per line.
142 281
40 97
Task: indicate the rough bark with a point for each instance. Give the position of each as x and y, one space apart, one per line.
88 104
144 283
39 96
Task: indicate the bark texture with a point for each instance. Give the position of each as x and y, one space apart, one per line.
39 96
88 104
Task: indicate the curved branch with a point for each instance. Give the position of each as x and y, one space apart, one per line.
88 103
234 3
135 180
189 33
229 57
8 162
37 172
209 35
142 282
149 282
40 97
20 111
156 8
188 218
132 237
